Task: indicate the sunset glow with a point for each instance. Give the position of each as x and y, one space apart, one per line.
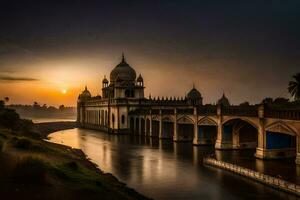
171 52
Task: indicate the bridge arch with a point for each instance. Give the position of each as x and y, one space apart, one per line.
240 133
167 127
207 131
168 118
281 127
185 128
185 120
253 122
155 126
207 121
281 139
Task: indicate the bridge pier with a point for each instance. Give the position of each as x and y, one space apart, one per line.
297 150
261 151
222 142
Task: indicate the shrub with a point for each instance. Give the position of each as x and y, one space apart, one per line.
30 171
72 165
9 118
22 143
25 126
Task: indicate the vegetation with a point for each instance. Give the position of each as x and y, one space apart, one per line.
1 145
294 87
280 101
246 103
43 111
32 168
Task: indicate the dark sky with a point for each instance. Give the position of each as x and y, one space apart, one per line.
248 49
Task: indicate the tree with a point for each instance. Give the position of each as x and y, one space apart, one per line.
294 87
2 105
246 103
281 101
6 99
267 100
61 107
36 105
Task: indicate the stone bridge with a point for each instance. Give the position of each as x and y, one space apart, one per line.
273 131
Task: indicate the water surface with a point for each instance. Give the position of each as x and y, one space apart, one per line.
162 169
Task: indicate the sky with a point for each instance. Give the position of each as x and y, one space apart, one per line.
49 50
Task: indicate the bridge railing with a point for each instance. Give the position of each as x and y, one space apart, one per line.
282 113
187 111
249 111
266 179
207 110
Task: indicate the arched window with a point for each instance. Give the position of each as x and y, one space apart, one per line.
123 119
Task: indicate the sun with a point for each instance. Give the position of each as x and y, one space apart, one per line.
64 91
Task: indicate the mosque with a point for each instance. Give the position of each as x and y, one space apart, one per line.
122 95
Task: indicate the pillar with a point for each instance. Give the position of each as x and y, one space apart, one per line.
297 150
150 131
140 126
145 126
261 147
195 139
218 144
175 138
160 124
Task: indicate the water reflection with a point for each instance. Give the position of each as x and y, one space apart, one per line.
162 169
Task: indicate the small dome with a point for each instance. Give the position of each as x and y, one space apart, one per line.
223 101
104 80
123 71
140 78
85 94
194 94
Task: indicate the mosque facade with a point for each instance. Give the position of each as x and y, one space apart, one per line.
122 95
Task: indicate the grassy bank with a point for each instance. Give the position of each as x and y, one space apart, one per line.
35 169
31 168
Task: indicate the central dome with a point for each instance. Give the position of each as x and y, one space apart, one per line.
123 72
194 94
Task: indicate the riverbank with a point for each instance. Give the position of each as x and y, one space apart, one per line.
36 169
45 128
254 175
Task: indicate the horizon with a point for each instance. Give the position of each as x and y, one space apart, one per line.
51 50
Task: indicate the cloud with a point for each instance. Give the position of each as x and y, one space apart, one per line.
11 78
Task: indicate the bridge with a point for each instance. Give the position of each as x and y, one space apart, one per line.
272 130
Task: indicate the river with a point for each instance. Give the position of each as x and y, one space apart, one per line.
161 169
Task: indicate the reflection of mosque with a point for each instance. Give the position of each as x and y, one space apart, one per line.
123 95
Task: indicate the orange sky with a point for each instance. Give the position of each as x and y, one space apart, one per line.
249 50
162 77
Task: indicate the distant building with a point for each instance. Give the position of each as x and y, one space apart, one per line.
121 95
